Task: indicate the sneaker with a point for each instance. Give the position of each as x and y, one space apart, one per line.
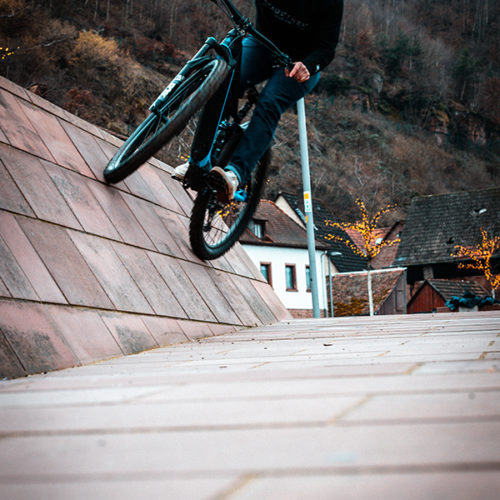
226 183
180 171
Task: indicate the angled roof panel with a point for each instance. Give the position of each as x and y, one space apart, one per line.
449 288
350 291
279 229
437 223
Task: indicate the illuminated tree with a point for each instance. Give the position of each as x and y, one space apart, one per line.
369 230
481 255
6 52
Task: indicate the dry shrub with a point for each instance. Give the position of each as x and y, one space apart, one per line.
145 46
56 39
92 51
40 44
122 88
148 51
15 16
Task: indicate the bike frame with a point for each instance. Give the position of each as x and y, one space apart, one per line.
209 83
224 102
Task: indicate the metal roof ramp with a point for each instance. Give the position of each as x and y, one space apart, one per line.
89 271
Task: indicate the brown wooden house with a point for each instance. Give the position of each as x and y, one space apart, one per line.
436 224
433 294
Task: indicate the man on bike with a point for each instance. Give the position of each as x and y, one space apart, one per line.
308 31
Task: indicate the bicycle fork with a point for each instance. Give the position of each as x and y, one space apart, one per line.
198 60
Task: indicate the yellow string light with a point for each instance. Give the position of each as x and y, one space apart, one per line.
481 257
367 228
6 52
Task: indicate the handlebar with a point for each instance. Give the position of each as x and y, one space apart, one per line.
245 25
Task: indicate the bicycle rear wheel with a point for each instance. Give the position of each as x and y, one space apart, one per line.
158 128
215 227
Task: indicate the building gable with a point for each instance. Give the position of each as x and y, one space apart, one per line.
276 228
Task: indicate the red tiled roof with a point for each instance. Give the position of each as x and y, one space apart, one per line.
350 291
279 229
387 254
357 239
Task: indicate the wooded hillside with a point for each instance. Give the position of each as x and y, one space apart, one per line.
410 106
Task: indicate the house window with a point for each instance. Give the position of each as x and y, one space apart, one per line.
291 281
308 278
257 227
265 269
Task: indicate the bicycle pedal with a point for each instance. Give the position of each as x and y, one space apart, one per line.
240 195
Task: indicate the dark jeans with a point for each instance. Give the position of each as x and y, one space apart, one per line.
278 94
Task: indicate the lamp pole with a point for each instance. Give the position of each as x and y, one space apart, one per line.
306 182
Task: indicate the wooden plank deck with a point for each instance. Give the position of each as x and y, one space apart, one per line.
388 407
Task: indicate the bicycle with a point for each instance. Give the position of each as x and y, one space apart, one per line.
208 83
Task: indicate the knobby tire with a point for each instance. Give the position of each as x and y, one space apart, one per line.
202 224
157 129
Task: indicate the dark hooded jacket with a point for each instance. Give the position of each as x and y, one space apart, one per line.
307 30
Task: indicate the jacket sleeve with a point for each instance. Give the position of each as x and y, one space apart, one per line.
323 50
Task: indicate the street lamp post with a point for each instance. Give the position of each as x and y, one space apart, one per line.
308 207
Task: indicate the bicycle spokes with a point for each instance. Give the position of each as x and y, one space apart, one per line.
219 220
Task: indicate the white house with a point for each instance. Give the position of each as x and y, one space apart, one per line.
344 269
278 247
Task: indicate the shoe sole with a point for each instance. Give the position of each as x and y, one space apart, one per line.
218 183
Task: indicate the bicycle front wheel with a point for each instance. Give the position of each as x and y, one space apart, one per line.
159 127
215 227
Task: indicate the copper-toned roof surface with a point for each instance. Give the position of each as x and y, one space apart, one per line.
350 291
91 271
388 253
279 229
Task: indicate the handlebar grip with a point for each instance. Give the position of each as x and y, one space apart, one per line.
287 62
